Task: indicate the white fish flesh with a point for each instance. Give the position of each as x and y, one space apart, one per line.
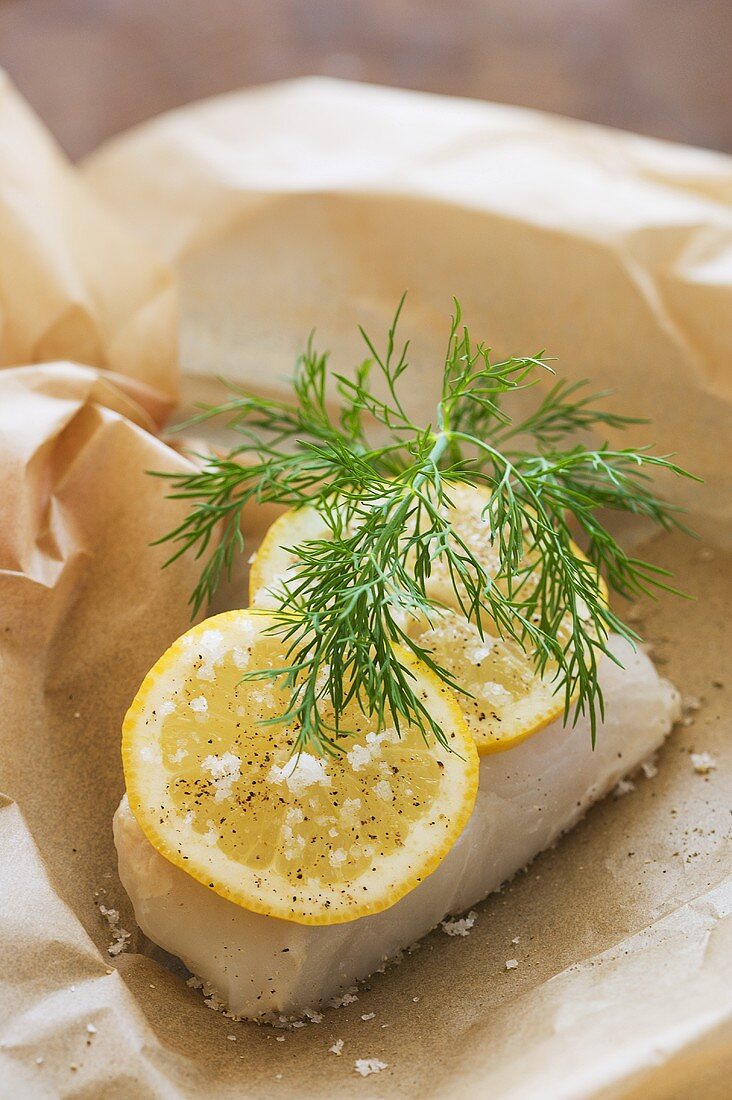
528 797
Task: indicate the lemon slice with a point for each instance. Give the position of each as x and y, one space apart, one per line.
308 838
508 700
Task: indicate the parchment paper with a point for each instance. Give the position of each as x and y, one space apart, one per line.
73 283
318 202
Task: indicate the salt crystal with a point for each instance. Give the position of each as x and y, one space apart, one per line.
368 1016
649 767
359 757
347 998
120 936
199 705
480 652
91 1029
494 693
460 927
366 1066
511 964
625 786
211 644
337 1047
515 940
280 1038
301 772
703 762
224 771
241 657
383 790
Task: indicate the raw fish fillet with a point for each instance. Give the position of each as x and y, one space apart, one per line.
528 797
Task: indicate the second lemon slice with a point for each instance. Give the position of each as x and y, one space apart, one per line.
507 701
309 838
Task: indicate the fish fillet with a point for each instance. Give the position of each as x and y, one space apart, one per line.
527 798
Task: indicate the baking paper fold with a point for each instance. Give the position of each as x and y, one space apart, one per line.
73 283
318 202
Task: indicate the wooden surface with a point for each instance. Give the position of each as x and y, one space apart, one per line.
94 67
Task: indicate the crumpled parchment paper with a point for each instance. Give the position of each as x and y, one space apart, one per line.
318 203
74 284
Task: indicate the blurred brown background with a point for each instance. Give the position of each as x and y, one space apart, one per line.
94 67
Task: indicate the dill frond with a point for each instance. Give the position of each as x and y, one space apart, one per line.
386 505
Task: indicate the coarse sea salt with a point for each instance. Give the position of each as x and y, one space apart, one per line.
703 762
301 772
211 647
649 767
337 1047
120 936
240 656
367 1066
224 771
343 999
460 926
362 755
383 790
212 644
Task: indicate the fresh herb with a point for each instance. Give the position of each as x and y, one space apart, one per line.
349 596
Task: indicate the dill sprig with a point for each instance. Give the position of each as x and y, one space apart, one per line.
385 502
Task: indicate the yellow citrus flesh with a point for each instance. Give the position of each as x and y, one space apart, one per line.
312 839
508 700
